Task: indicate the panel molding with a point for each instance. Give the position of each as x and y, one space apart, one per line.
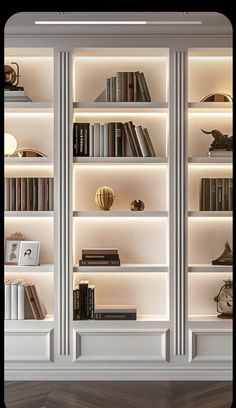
79 333
193 336
48 336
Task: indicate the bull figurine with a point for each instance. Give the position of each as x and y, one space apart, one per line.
220 141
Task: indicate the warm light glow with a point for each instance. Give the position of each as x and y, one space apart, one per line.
113 22
119 57
211 58
124 166
10 144
120 114
210 166
28 113
29 57
204 218
210 114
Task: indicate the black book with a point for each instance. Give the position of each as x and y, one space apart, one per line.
75 304
115 313
86 139
99 262
75 140
100 256
83 294
90 304
118 139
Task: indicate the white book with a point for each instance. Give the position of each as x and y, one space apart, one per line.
91 140
96 139
21 302
101 140
142 141
105 144
7 287
14 300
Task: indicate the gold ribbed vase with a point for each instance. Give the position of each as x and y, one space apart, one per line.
104 197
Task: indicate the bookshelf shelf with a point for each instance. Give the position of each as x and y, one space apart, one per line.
28 161
209 107
29 107
121 160
208 268
29 323
117 214
210 160
124 268
209 318
43 268
210 214
26 214
120 106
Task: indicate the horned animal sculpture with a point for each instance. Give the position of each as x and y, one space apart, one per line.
220 141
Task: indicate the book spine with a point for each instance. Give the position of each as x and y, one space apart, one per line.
230 194
130 87
114 316
77 140
149 143
201 194
106 138
18 193
213 195
91 140
90 306
218 194
97 251
51 194
29 188
142 141
118 139
21 302
23 198
14 301
81 139
113 89
135 87
96 262
32 302
101 141
35 194
135 139
118 86
225 201
108 85
111 139
7 298
129 139
96 139
46 193
74 140
206 202
96 256
145 87
41 194
78 304
35 295
123 141
124 86
75 304
83 289
12 194
141 93
7 194
86 139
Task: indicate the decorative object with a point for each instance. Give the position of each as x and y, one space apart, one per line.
12 248
226 258
221 141
104 197
27 152
224 300
11 77
217 97
137 205
29 253
10 144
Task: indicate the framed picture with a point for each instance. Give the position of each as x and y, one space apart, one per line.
29 253
12 250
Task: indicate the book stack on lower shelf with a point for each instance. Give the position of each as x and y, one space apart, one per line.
29 194
112 139
127 87
216 194
100 257
115 312
83 301
21 301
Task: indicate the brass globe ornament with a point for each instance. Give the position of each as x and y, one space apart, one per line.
104 197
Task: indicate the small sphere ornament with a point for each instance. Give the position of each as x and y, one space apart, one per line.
104 197
137 205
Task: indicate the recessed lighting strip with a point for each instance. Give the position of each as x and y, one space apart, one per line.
118 22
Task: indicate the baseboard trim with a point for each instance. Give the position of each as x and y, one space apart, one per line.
119 375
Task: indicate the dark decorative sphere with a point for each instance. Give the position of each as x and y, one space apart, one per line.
137 205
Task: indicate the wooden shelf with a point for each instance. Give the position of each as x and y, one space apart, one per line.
28 269
201 107
117 214
28 161
120 160
26 214
42 107
210 160
202 214
120 106
210 268
123 268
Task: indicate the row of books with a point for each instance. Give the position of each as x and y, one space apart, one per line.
100 257
21 301
216 194
127 87
29 194
113 139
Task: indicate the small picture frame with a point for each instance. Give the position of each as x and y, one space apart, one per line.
12 250
29 253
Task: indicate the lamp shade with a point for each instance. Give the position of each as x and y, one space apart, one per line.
10 144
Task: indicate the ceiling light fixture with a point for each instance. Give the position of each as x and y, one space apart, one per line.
54 22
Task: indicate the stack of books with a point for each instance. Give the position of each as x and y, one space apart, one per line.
28 194
100 257
127 87
216 194
113 139
115 312
220 153
21 301
83 301
16 95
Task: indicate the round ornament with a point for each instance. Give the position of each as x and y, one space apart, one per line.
224 300
104 197
137 205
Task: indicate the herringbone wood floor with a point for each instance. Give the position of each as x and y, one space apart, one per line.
118 394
